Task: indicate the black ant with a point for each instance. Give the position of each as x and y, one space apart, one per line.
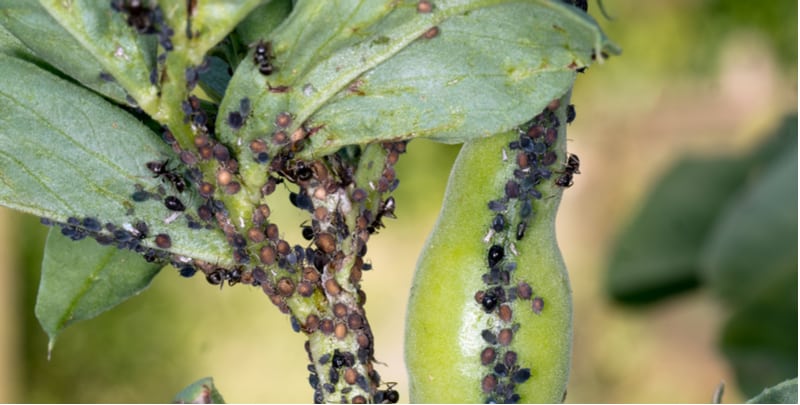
386 210
263 58
572 168
160 170
139 15
387 396
219 275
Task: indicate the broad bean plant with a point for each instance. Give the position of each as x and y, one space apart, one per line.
151 135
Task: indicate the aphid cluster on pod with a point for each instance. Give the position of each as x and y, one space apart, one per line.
534 159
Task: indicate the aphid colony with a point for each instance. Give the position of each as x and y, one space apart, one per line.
510 217
342 216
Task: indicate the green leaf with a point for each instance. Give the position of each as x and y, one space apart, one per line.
30 23
81 280
263 20
783 393
760 339
755 238
364 74
107 40
201 391
66 152
657 253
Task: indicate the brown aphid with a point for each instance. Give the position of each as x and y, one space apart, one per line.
505 336
188 158
524 290
431 33
339 310
350 375
224 177
424 6
326 242
201 140
204 212
321 214
553 105
255 235
205 189
320 193
358 399
267 255
535 131
305 289
285 287
283 119
479 297
522 160
326 326
260 214
276 300
163 241
232 188
488 355
510 359
221 153
550 136
355 321
489 383
205 152
505 313
258 145
392 158
332 287
280 137
549 158
363 341
537 305
389 174
272 232
284 248
340 331
311 274
355 274
362 298
247 277
269 187
359 195
298 135
312 323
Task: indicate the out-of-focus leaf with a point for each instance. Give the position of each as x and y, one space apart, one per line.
201 391
83 279
30 23
783 393
107 40
760 340
365 74
657 253
262 20
66 152
215 80
755 238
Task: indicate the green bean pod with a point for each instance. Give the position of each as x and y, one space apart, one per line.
490 312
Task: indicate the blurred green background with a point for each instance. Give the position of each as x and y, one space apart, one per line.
700 77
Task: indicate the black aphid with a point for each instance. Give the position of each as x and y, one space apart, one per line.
489 337
187 271
496 254
521 227
173 204
521 375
